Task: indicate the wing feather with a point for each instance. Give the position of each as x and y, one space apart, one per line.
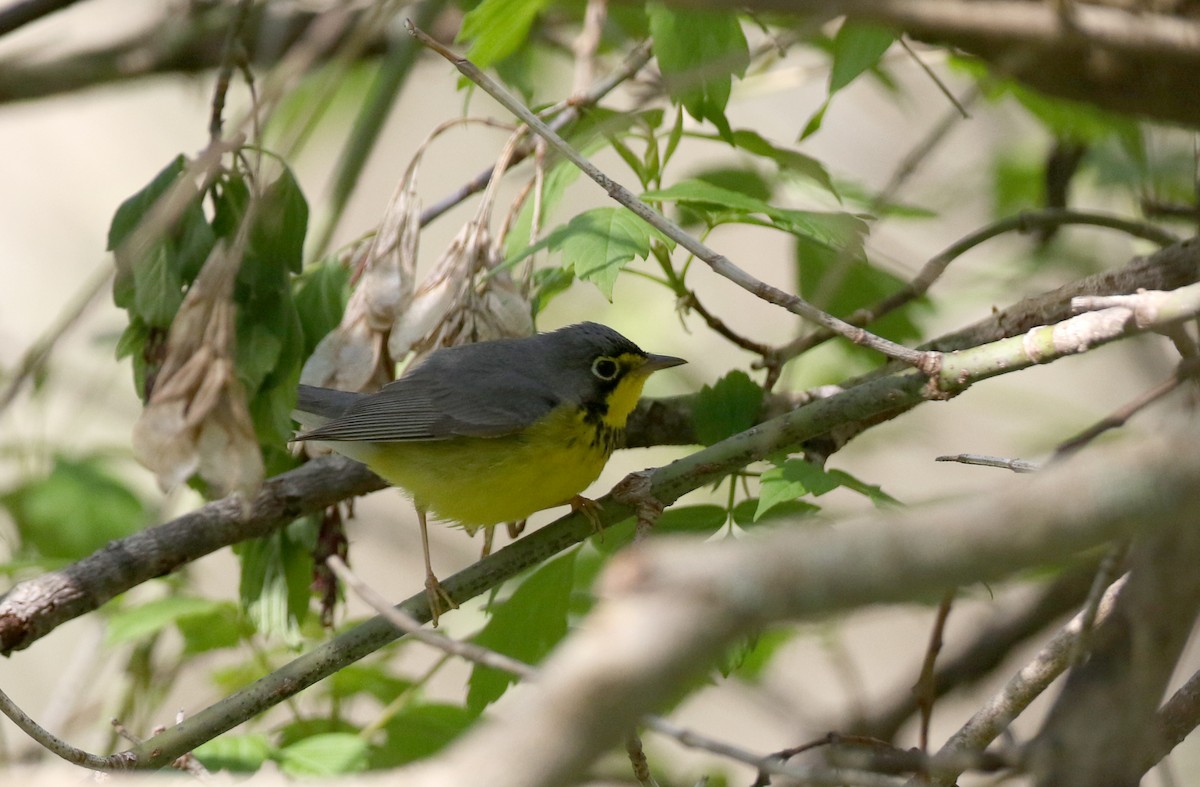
459 394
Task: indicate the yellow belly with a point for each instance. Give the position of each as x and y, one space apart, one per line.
478 481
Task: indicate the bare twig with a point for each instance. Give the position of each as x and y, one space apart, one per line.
23 12
959 106
718 262
1023 688
587 44
225 71
58 746
1187 369
925 688
637 759
986 650
34 359
409 625
633 63
1111 566
936 266
1015 465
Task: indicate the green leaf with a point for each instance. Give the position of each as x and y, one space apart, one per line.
332 754
790 161
745 513
134 623
793 479
598 243
701 519
321 293
158 287
151 287
749 659
498 28
235 753
280 224
699 52
303 728
858 46
274 589
419 732
548 283
814 123
131 212
372 679
221 627
525 626
727 407
74 511
836 230
880 498
593 132
841 283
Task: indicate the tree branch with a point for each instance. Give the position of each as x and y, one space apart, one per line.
35 607
668 610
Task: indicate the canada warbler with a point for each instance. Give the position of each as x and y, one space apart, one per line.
491 432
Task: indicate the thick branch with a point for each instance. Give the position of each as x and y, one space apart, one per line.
670 609
1125 59
35 607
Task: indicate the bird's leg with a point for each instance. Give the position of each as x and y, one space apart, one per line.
439 599
590 510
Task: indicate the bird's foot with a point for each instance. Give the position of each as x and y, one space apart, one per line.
439 599
590 510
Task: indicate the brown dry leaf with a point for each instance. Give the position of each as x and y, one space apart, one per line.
196 420
465 298
350 357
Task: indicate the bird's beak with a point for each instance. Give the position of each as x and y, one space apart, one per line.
655 363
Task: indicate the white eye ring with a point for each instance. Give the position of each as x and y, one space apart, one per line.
605 368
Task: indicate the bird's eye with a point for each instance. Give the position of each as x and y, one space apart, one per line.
605 368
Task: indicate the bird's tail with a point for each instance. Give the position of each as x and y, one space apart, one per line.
315 406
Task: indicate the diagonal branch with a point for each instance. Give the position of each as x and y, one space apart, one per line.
719 263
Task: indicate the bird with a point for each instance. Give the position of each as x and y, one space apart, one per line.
490 432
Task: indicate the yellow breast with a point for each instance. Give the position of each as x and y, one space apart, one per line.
477 481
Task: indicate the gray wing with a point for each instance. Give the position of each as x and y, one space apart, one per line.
449 395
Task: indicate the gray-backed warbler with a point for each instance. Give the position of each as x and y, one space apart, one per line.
491 432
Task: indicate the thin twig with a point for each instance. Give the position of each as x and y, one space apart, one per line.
925 688
34 359
923 149
225 71
571 111
933 269
587 44
1108 571
637 759
958 105
720 264
1187 369
1024 687
409 625
690 301
1015 465
57 746
22 13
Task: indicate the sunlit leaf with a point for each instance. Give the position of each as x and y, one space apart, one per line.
332 754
